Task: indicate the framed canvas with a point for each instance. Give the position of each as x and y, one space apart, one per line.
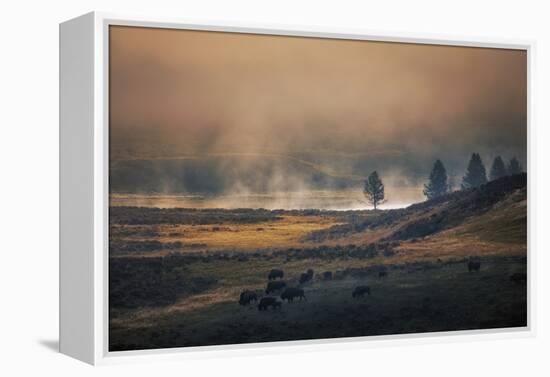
227 188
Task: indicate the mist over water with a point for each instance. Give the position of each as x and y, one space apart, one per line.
315 199
260 181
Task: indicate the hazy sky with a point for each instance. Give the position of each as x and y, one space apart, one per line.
203 92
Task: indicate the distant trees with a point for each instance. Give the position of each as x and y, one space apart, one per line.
374 189
514 167
475 174
437 184
498 170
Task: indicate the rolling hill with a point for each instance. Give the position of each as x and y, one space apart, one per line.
496 211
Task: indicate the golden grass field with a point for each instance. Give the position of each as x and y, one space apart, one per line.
284 233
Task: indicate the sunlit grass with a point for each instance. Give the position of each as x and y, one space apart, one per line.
284 233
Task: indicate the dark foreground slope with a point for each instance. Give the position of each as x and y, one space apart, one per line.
410 299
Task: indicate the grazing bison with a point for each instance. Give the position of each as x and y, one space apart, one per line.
290 293
360 291
474 266
247 297
382 274
307 276
274 274
304 278
327 275
273 286
266 302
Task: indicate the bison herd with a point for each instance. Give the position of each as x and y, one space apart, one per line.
275 284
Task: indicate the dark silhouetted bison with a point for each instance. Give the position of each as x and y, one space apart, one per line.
360 291
274 274
273 286
327 275
305 277
382 274
266 302
474 266
290 293
247 297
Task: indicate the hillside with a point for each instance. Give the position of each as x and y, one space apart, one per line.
496 211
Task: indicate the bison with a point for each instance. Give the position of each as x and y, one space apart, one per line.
266 302
307 276
274 274
304 278
360 291
290 293
382 274
247 297
327 275
273 286
474 266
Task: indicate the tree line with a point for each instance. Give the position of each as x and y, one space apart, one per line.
438 182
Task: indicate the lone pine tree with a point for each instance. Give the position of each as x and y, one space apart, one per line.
475 174
374 189
437 184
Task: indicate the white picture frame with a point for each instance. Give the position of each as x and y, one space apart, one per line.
84 188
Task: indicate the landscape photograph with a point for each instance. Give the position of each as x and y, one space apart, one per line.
268 188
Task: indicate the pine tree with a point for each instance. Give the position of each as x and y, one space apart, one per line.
475 174
514 167
437 184
498 170
374 190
